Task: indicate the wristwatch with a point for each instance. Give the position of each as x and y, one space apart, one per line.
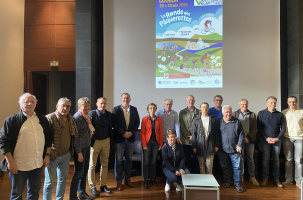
47 154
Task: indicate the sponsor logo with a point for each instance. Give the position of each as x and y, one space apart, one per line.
183 82
175 82
201 82
192 82
159 82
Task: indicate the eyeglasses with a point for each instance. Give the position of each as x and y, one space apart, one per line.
65 106
27 102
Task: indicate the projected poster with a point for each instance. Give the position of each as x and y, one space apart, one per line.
189 43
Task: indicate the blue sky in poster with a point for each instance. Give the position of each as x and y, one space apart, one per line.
195 15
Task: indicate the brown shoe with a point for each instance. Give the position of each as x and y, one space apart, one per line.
279 184
119 186
129 184
254 181
263 183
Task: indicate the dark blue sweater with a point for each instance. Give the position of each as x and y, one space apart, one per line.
271 124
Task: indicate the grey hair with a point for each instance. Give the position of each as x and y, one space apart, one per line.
170 100
64 99
271 97
226 107
26 94
190 95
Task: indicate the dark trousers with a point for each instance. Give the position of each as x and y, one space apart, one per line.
191 160
150 160
80 173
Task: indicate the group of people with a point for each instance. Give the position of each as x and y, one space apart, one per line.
187 143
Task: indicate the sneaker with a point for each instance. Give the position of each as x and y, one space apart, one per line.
178 187
254 181
287 183
239 188
298 185
226 184
167 187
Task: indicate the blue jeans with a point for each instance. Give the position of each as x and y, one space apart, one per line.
61 166
171 177
126 149
266 148
33 179
150 160
80 173
231 166
248 153
293 152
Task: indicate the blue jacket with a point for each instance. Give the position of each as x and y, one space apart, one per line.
120 125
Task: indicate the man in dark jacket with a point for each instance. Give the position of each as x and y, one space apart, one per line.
25 141
100 145
125 122
248 120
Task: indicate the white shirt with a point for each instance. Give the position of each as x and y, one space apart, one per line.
294 124
205 122
28 154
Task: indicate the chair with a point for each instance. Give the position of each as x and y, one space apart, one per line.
138 151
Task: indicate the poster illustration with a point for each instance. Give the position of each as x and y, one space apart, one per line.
189 36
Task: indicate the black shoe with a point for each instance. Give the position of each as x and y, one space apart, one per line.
84 195
105 189
226 184
145 184
95 192
153 182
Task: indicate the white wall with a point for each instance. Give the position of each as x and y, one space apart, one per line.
11 56
251 55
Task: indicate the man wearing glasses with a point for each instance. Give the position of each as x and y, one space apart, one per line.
216 111
64 129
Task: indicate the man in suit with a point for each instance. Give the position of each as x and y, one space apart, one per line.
125 122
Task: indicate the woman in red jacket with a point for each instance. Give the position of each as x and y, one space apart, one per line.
152 141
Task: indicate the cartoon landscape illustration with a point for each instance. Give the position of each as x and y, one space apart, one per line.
200 55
